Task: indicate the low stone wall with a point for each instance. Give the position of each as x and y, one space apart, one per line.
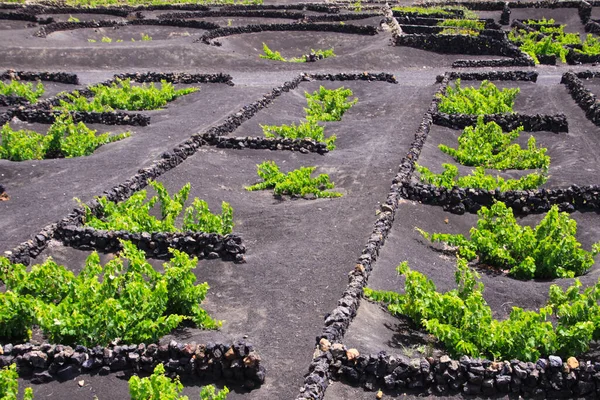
182 23
236 362
177 77
583 96
546 378
18 16
156 245
61 77
263 143
458 44
107 118
525 76
461 200
592 27
530 123
340 17
585 11
68 26
234 13
12 100
512 62
574 58
302 27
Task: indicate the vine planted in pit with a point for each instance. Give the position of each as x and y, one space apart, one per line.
126 299
487 99
550 250
134 214
64 139
479 179
463 321
20 89
295 183
485 145
122 95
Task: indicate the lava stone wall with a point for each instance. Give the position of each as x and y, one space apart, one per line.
156 244
61 77
238 362
583 96
34 114
546 378
262 143
458 44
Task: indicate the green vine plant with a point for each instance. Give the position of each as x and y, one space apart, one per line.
479 179
556 42
276 56
487 99
9 384
134 214
323 105
20 89
550 250
126 299
161 387
122 95
486 145
106 39
295 183
590 46
463 321
328 104
304 130
64 139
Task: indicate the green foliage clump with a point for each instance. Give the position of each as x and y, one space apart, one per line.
126 299
294 183
25 90
488 99
462 320
471 24
540 22
270 54
485 145
327 104
590 46
536 44
160 387
478 179
122 95
64 139
9 385
550 250
133 214
323 105
305 130
276 56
